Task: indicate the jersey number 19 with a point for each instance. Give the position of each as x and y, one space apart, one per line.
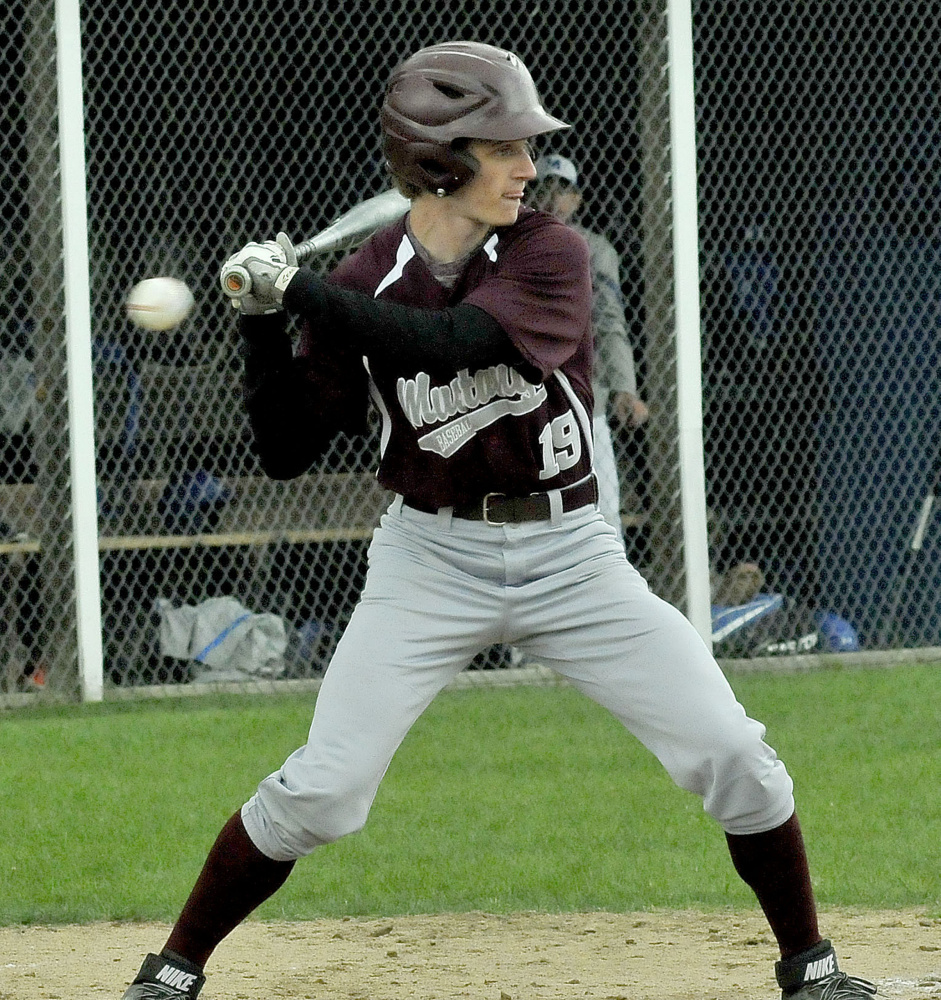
561 445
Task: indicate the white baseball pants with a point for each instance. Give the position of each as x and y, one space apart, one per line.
438 591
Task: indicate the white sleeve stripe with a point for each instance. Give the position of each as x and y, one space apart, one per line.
403 255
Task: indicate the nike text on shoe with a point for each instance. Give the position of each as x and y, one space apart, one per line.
815 975
166 979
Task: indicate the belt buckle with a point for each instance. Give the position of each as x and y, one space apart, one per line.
486 511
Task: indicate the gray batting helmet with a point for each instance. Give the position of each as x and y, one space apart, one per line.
452 91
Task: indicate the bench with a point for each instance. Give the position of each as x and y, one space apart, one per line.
260 511
326 507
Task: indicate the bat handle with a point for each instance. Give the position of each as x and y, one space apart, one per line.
235 280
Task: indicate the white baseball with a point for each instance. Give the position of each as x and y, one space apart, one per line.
159 303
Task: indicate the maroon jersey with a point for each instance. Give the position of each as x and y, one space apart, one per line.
451 436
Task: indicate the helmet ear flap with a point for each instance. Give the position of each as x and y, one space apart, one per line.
433 167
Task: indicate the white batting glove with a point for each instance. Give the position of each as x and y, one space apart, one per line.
270 267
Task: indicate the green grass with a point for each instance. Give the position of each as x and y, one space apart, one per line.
500 800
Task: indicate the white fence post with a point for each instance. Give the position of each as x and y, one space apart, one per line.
686 293
78 346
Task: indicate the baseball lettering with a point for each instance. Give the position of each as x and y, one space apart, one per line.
445 441
452 434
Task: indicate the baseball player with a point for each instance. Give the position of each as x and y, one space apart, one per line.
614 383
468 325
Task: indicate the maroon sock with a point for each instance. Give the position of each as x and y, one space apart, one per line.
774 865
235 879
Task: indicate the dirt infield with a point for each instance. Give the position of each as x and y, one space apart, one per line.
532 956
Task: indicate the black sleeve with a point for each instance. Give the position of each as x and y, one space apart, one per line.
295 406
463 336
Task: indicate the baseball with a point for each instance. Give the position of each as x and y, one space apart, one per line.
159 303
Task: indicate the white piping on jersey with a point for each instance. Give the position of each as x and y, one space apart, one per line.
490 247
381 407
402 256
580 412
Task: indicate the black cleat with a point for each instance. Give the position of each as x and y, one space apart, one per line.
815 975
166 979
839 986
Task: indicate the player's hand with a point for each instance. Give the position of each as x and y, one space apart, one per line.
270 267
248 305
257 260
630 409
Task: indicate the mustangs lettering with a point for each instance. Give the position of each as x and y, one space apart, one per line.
477 401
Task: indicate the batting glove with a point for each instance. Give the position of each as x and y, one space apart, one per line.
270 266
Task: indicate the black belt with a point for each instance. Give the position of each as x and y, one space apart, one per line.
498 508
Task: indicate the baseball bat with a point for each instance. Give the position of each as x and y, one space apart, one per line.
348 231
888 633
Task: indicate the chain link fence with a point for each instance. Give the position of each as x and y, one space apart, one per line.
209 125
819 156
38 638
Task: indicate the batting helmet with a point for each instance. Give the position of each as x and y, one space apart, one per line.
453 91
